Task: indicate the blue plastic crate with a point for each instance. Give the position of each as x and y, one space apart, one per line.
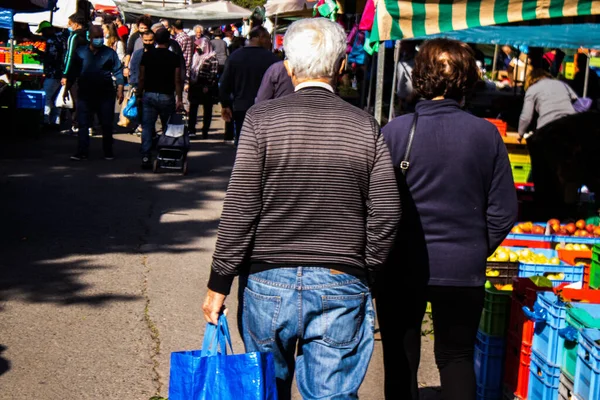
549 314
486 393
31 99
587 373
556 239
572 273
544 378
489 361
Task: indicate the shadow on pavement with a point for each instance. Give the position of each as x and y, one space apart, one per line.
430 393
59 216
4 363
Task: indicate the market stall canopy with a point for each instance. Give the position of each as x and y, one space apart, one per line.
283 7
27 5
403 19
60 17
562 36
210 12
105 6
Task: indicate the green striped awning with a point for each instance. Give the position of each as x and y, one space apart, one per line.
403 19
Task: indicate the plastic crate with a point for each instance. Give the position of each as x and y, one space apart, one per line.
516 367
590 241
525 293
595 275
575 256
579 316
587 376
31 99
548 314
565 388
528 240
519 158
496 312
507 272
572 273
544 378
501 125
596 253
489 361
521 171
485 393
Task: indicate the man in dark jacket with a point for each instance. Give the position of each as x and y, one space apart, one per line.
243 75
77 39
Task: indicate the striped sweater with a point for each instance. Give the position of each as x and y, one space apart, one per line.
312 185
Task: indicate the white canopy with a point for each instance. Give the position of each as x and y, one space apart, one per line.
59 18
281 7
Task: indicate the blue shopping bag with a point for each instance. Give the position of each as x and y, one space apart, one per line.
208 374
131 110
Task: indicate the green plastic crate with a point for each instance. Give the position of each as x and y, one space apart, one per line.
496 311
520 171
577 318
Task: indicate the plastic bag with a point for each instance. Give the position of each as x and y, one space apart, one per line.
61 102
131 110
208 374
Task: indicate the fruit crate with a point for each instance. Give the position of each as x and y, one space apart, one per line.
575 256
548 315
580 316
568 273
516 367
501 125
519 158
595 275
565 388
525 293
489 361
544 378
596 253
587 376
521 171
496 311
530 240
590 241
501 273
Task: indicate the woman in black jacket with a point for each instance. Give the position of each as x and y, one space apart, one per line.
458 204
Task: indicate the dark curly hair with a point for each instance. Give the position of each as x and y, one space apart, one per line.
445 67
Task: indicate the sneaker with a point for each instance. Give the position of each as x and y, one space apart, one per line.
74 129
109 157
79 157
146 162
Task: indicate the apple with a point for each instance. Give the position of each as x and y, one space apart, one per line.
580 224
570 228
538 230
517 230
590 228
553 221
555 228
563 231
597 231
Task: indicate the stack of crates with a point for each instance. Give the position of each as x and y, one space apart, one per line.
587 372
521 167
490 346
595 268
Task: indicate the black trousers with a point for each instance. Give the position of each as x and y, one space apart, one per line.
456 314
207 110
238 121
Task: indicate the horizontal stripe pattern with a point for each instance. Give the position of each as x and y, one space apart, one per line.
403 19
312 184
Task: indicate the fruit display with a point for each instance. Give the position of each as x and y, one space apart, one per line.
573 247
529 256
576 229
529 228
504 254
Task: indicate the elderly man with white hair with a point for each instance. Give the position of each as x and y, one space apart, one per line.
311 213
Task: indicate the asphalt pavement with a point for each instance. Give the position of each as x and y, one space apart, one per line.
103 269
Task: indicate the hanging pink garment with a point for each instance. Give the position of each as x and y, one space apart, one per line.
368 16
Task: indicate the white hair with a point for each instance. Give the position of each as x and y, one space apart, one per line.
198 26
314 48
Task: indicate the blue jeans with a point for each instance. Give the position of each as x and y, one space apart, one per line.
51 113
102 106
155 105
327 315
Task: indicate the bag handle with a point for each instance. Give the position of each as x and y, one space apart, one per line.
404 164
215 337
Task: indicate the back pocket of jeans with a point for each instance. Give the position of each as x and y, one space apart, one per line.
260 315
343 316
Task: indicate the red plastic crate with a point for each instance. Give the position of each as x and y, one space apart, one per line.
516 367
586 276
574 256
534 244
578 295
501 125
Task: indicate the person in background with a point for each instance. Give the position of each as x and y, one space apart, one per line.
202 89
77 39
578 82
220 48
144 23
275 83
52 60
159 91
199 32
165 22
443 240
312 208
185 42
505 56
94 68
134 65
112 40
404 85
242 76
122 29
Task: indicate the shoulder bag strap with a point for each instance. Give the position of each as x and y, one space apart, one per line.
404 164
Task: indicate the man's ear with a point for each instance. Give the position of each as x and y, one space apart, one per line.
286 64
342 67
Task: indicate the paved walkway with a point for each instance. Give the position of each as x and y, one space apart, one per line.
103 268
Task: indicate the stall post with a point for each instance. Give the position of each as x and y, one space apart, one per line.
587 76
395 77
494 63
11 38
274 41
379 84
